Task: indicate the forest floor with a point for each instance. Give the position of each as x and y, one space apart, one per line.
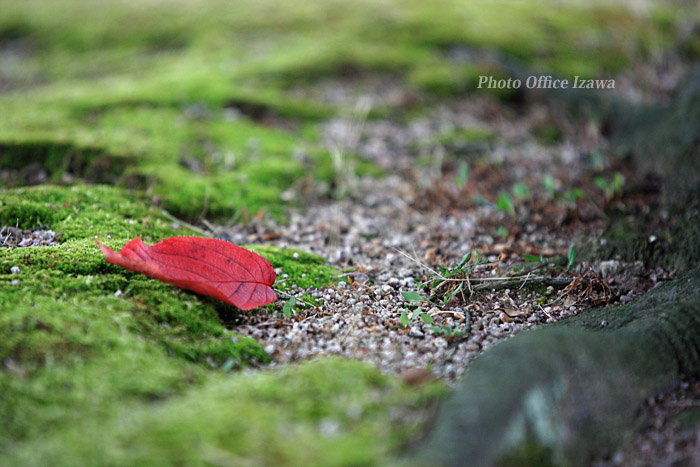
413 220
409 303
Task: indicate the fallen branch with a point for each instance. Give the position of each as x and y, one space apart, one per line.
498 283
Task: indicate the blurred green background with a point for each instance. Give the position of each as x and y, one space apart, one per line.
212 106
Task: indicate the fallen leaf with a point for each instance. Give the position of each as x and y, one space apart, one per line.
417 376
211 267
513 312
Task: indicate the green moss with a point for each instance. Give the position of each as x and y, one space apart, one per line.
322 39
448 78
327 412
82 212
675 246
465 136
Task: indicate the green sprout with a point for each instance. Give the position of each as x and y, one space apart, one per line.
549 186
521 191
505 204
462 175
288 308
571 256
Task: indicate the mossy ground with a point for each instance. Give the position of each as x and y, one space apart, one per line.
152 89
142 370
190 104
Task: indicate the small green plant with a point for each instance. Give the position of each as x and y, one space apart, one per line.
450 282
571 256
462 175
502 231
575 194
535 259
411 296
288 308
414 297
452 294
521 191
611 188
549 186
446 330
505 204
405 320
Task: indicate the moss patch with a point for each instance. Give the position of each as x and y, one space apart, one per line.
328 412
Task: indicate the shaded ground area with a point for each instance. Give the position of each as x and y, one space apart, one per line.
416 220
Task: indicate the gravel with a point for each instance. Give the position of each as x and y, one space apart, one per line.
12 237
386 231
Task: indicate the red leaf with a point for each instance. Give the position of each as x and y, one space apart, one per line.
207 266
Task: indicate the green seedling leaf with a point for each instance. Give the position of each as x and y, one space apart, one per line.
571 256
446 330
415 314
478 257
403 319
602 184
576 194
532 258
288 308
505 204
617 183
462 175
502 231
411 296
465 259
549 186
427 319
444 271
454 292
521 191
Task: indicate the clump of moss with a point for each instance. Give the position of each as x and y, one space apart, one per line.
82 212
326 412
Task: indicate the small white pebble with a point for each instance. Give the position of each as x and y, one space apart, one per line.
14 270
118 293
